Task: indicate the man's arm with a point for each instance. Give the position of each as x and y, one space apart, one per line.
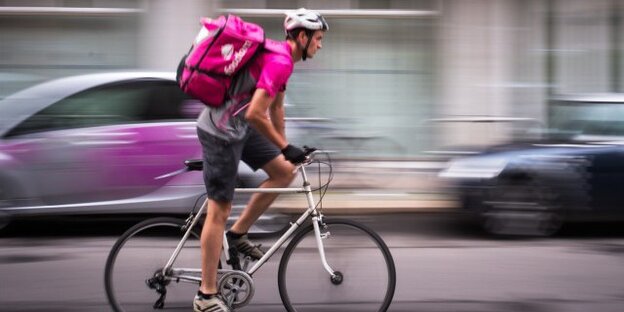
257 116
276 112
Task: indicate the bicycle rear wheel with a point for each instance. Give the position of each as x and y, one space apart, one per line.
365 273
133 276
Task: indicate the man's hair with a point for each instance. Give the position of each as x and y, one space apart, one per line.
294 33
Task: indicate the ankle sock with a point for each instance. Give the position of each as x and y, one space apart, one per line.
204 296
233 235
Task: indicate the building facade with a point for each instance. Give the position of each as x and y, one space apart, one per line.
400 74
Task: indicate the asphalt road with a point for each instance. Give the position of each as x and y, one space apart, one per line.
443 264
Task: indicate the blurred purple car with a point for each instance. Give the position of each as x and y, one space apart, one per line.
95 144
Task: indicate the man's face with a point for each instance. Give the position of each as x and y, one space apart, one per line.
315 44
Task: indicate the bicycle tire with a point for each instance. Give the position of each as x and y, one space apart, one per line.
358 253
146 247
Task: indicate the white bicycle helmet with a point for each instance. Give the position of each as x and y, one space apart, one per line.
303 18
307 20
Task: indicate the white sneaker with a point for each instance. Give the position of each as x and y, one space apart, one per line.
213 304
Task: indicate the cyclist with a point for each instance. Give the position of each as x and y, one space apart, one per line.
250 127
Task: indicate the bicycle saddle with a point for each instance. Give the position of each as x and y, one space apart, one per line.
194 164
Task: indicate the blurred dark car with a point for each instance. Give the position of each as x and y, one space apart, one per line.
94 144
574 172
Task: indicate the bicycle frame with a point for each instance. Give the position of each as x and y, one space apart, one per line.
310 211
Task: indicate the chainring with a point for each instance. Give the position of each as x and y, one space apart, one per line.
236 288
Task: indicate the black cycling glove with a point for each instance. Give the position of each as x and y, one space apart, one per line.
294 154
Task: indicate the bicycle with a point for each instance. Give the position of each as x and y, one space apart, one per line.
356 270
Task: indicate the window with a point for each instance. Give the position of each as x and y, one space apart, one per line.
118 103
165 101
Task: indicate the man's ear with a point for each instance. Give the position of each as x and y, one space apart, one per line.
302 35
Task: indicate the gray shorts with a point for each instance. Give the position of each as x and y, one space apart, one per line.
221 159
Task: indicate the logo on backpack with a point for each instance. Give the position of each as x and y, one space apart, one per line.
226 51
238 57
222 47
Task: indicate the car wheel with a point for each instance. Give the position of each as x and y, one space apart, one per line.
521 207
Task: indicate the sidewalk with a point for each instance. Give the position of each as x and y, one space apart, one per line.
382 187
369 202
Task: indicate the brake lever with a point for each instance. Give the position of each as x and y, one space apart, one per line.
309 151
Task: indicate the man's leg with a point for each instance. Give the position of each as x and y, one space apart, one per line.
211 243
220 168
280 172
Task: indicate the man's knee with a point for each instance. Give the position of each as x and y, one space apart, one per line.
219 211
280 171
285 175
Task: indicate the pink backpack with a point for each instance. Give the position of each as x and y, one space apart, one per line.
222 47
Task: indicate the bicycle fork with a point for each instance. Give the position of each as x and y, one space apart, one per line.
335 276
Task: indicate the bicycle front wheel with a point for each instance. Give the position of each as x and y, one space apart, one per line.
134 277
364 276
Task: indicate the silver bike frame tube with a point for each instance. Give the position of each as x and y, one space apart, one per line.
293 226
280 190
226 248
176 252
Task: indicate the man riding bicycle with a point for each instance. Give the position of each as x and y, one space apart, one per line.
241 130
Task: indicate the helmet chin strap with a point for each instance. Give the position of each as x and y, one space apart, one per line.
304 55
304 49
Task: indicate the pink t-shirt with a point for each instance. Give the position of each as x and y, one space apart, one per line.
272 67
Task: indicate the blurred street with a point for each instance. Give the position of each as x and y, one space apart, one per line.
428 113
443 263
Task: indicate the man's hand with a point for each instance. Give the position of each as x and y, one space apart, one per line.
294 154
